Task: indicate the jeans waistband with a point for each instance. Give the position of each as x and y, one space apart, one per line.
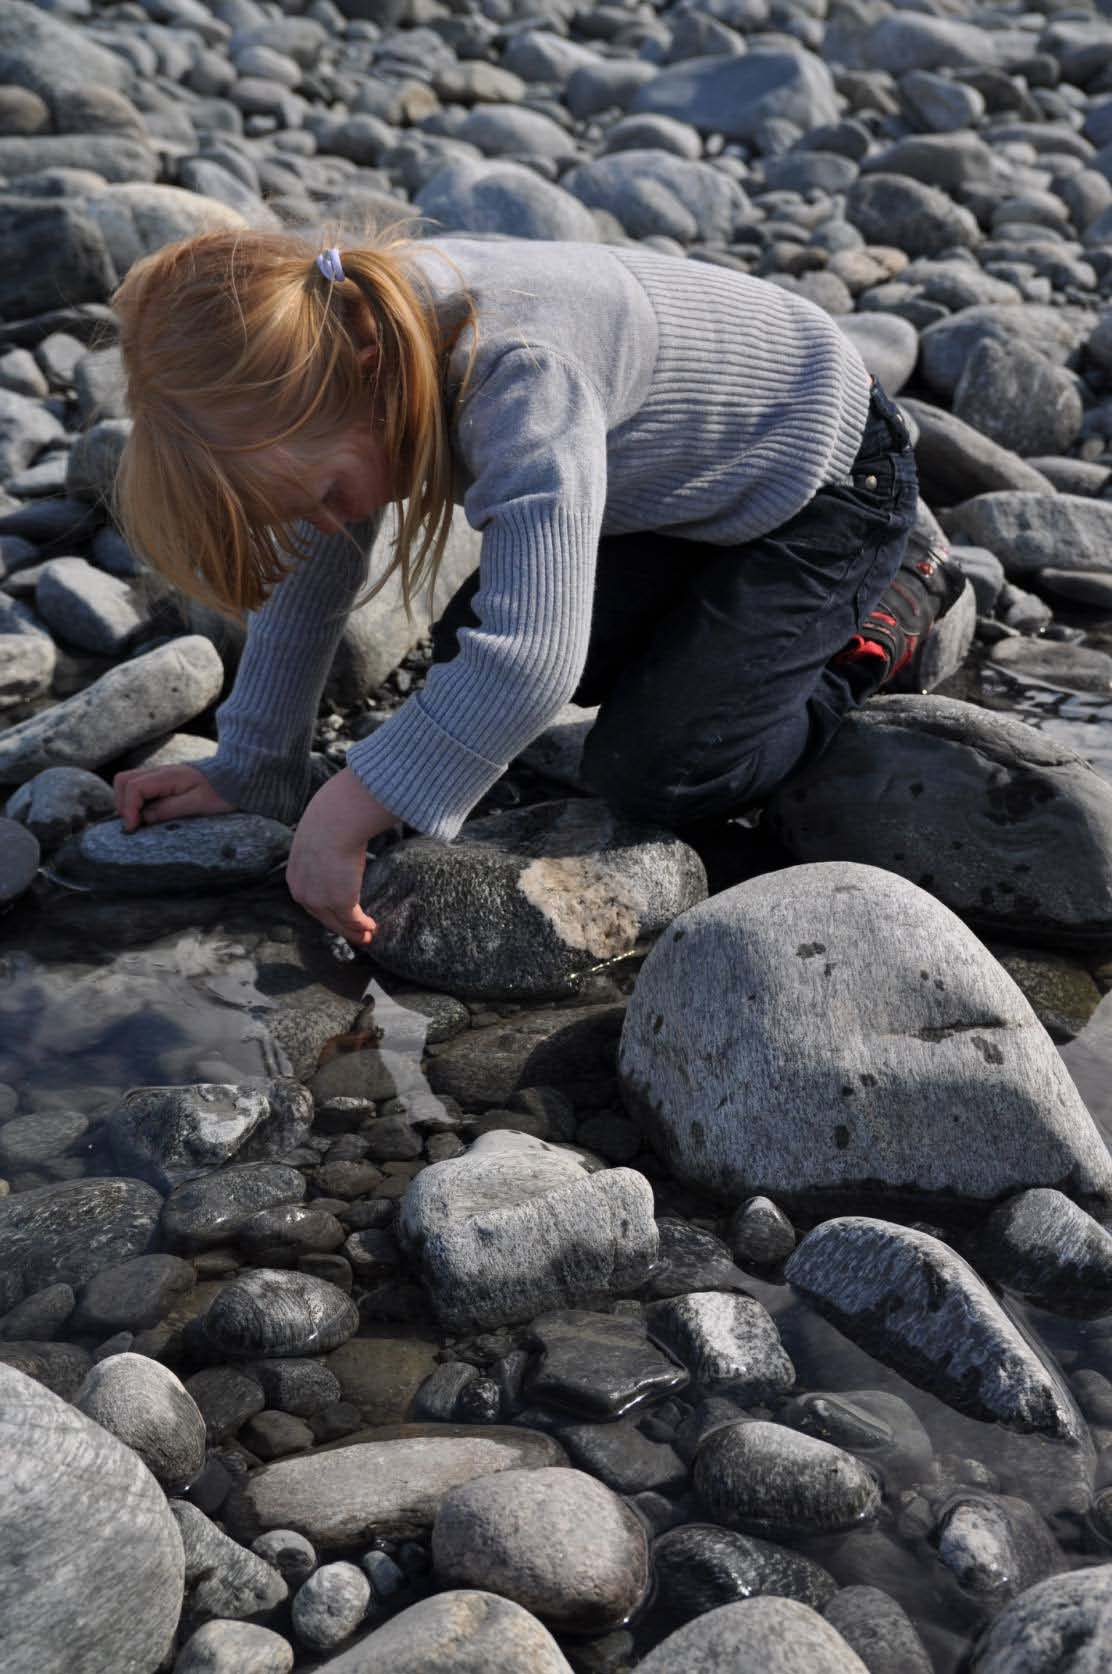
883 407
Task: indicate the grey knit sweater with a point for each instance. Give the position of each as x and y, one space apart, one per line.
614 389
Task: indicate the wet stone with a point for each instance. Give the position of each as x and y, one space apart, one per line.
769 1480
39 1317
879 1630
762 1234
203 1213
301 1387
27 1141
727 1343
134 1294
176 856
479 1403
289 1230
346 1179
19 860
144 1405
690 1258
876 1426
234 1648
599 1365
59 1367
1044 1246
67 1232
289 1553
1057 1624
622 1456
436 1399
271 1435
170 1134
699 1567
227 1398
995 1546
267 1312
328 1607
224 1579
755 1636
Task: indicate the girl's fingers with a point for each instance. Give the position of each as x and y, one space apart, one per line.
169 807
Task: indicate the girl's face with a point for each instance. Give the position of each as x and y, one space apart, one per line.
332 484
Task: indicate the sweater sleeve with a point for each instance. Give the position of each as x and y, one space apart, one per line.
533 436
265 726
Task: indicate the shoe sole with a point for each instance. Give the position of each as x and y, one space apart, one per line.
944 649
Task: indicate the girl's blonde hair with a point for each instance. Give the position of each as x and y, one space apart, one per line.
234 342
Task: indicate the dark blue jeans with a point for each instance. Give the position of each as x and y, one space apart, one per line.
712 664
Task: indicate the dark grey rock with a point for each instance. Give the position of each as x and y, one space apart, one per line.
945 347
329 1606
40 1317
1076 668
515 1227
171 1134
600 1365
19 860
436 1399
1016 397
754 1636
205 1212
690 1258
527 901
224 1580
65 1233
729 1344
879 1630
918 219
507 198
876 1426
234 1648
147 1408
1023 824
699 1567
226 1398
623 1457
300 1387
272 1435
105 1564
134 1294
994 1546
761 1233
289 1553
571 1051
349 1495
82 605
737 96
914 1305
984 573
555 1541
657 193
177 856
769 1480
134 702
267 1313
58 802
455 1633
278 1237
59 1367
1046 1248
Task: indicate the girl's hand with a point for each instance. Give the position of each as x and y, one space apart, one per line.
325 868
145 795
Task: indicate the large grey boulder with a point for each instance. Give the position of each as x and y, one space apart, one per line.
1018 398
91 1563
523 903
1061 1623
782 1039
776 1482
755 1636
45 53
134 702
456 1633
1032 532
918 219
654 192
516 1227
176 857
500 197
945 347
170 1134
146 1407
1006 827
736 96
347 1496
913 1304
956 461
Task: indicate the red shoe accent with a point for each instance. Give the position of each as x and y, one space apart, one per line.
859 647
912 642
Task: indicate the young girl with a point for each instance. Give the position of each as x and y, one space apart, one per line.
693 500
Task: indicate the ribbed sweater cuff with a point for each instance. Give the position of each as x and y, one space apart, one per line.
423 775
271 788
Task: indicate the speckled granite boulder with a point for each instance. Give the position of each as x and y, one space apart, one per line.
456 1633
176 856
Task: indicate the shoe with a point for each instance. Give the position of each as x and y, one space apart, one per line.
919 630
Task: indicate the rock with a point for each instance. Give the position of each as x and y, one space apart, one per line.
1061 1620
19 861
656 193
65 1233
762 1234
145 1406
902 42
224 1579
599 1365
1076 668
984 573
729 1344
40 1317
29 1140
918 219
737 96
945 347
300 1387
871 1423
58 802
133 1295
557 752
26 428
171 1134
994 1546
87 1545
234 1648
623 1457
916 1306
59 1367
290 1554
456 1633
1078 587
277 1237
571 1050
514 1227
555 1541
755 1636
94 611
28 656
1016 397
789 1087
381 1374
204 1212
1020 820
177 856
772 1481
132 703
506 198
1062 992
882 1634
698 1567
266 1312
348 1496
887 344
329 1606
536 898
226 1398
272 1435
1046 1248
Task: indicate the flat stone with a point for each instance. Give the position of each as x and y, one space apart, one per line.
87 608
65 1233
1015 396
755 1636
329 1606
1042 1245
690 1258
916 1306
600 1365
171 1134
1032 532
176 856
698 1567
571 1049
736 96
456 1633
19 860
224 1578
58 802
729 1344
349 1495
202 1213
28 1140
147 1408
879 1630
871 1423
619 1454
772 1481
267 1312
380 1373
234 1648
104 1564
134 1294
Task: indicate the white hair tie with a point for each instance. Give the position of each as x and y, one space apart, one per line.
329 263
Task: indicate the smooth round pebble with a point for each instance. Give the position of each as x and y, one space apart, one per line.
269 1312
235 1648
330 1605
773 1481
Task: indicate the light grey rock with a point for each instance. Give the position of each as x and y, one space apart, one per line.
46 53
290 1554
656 193
995 1546
94 611
653 133
939 104
64 1233
19 372
945 347
555 1541
267 1313
134 1295
506 198
19 860
729 1344
329 1606
1030 532
918 219
503 131
348 1496
146 1407
234 1648
456 1633
134 702
902 42
87 1545
773 1481
58 802
172 751
26 428
28 1140
1018 398
542 55
887 344
515 1227
27 655
524 902
170 1134
788 1086
1022 822
1046 1248
879 1630
956 461
698 1567
224 1580
736 96
607 84
137 217
1074 668
984 572
914 1305
1058 1621
177 856
754 1636
761 1233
